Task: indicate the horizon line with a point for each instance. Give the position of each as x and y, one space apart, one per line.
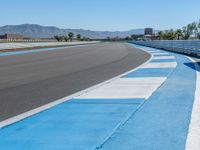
64 28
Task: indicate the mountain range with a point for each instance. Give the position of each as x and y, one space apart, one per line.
38 31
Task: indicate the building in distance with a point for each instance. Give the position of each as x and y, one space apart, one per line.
149 34
148 31
12 37
18 37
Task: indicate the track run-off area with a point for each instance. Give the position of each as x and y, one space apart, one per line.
33 78
153 106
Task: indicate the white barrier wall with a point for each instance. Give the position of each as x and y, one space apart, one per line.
38 44
183 46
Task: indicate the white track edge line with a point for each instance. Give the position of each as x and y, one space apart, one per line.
27 114
193 137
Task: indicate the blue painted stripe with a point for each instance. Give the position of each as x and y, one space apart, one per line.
163 60
150 72
110 100
74 125
150 51
162 55
163 121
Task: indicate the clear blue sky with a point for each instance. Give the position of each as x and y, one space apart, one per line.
101 14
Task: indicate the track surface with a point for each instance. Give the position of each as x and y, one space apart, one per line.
30 80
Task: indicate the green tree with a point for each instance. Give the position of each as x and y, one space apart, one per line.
71 36
134 37
57 38
194 27
66 38
172 34
128 38
186 33
190 29
62 38
198 30
160 35
178 34
168 35
78 36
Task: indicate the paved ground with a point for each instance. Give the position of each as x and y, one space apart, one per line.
29 80
146 109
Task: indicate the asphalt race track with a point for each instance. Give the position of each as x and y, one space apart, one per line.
30 80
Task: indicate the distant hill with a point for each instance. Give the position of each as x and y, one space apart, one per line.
34 30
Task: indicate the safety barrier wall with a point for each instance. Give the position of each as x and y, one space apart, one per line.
26 40
181 46
5 46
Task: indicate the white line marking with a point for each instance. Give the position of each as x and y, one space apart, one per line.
141 80
126 88
161 65
164 57
193 138
160 53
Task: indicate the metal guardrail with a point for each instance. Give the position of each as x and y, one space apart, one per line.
191 47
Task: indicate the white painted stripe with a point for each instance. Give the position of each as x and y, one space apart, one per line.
161 65
141 80
125 88
160 53
163 57
193 138
114 92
